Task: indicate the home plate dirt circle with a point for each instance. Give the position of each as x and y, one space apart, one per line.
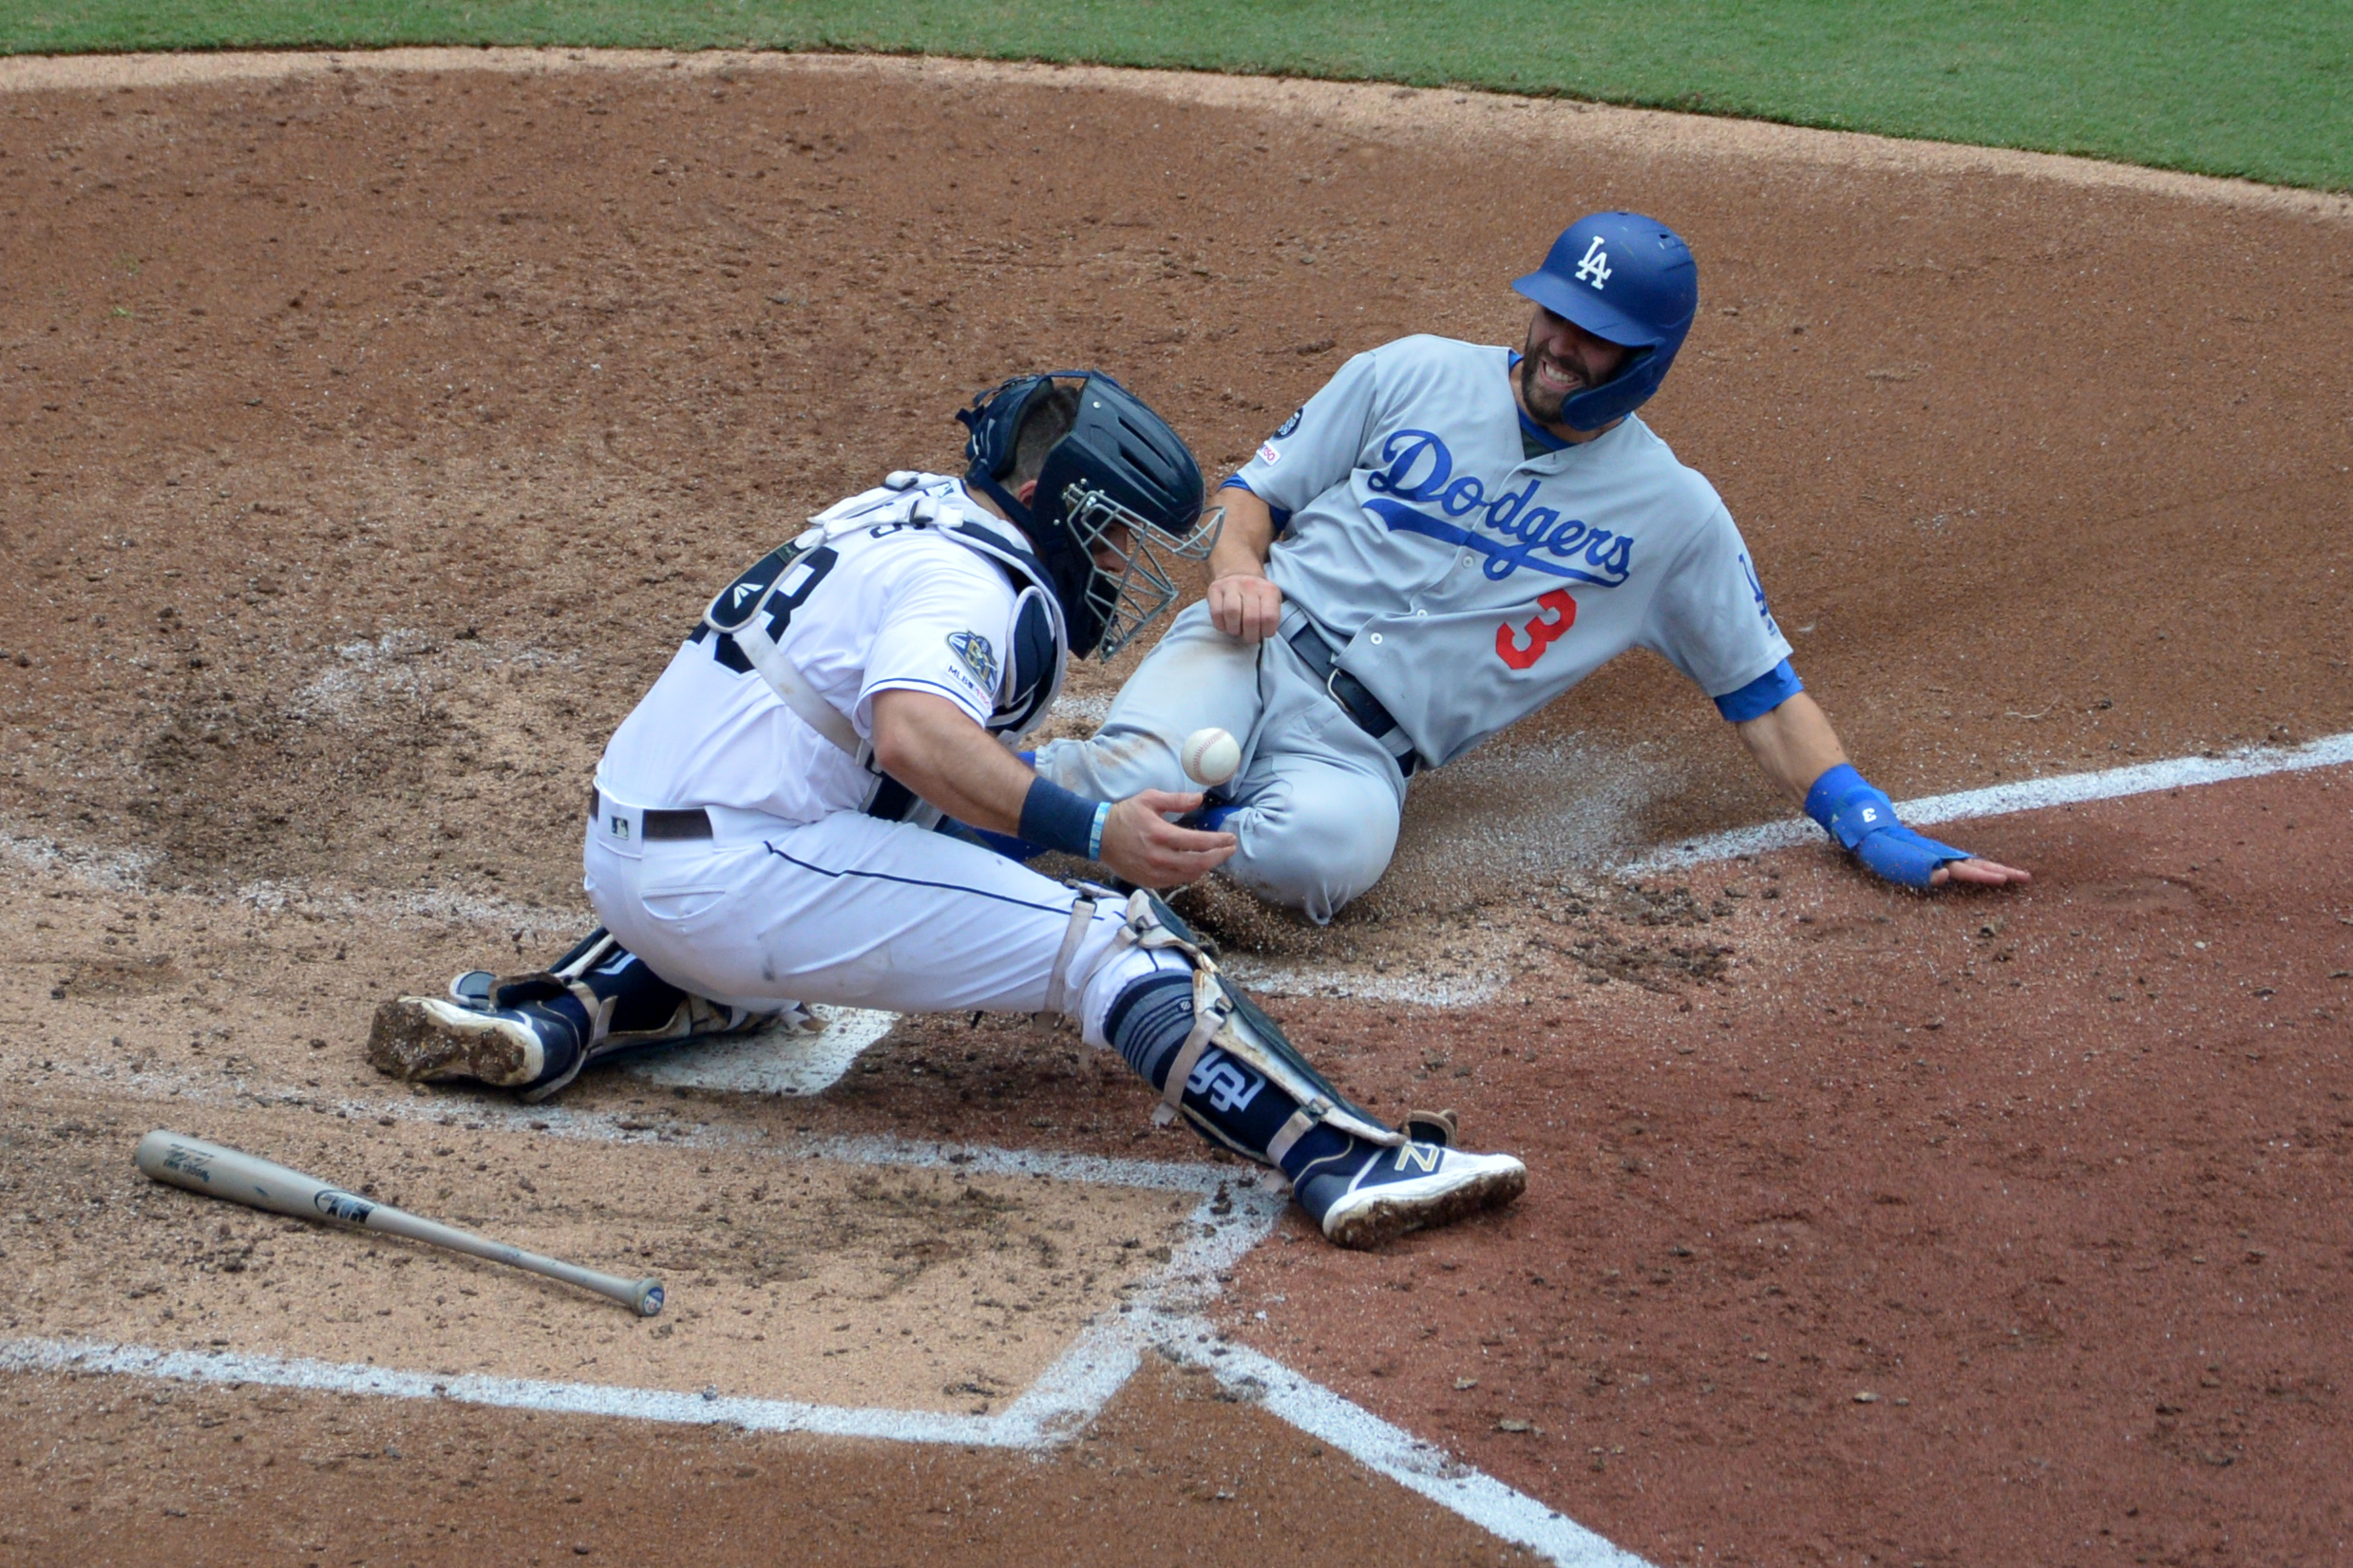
372 426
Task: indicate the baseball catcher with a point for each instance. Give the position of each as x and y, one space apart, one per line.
1444 539
762 832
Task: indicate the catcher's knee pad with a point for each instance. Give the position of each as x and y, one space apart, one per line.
1231 1038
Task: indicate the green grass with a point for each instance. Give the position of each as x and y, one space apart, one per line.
2256 87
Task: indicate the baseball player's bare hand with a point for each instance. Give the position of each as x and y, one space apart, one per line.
1982 872
1140 844
1245 606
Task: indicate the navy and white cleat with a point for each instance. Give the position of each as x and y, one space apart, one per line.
533 1033
1370 1202
430 1039
472 988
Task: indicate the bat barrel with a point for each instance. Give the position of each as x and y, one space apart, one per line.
220 1172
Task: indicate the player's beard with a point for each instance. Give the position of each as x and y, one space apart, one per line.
1544 405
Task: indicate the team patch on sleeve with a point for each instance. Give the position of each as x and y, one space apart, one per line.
1764 611
975 656
1293 422
1269 454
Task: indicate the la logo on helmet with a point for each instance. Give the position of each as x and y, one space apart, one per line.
1594 268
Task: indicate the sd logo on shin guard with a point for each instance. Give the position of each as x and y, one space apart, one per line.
1224 1083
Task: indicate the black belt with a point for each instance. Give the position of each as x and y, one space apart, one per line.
662 822
1356 701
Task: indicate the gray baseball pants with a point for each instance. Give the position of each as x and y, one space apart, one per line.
1319 798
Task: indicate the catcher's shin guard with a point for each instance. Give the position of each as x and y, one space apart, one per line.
534 1033
1222 1064
1224 1020
1361 1191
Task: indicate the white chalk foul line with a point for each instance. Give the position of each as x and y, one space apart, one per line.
1393 1453
764 1415
1236 1212
2255 761
1063 1398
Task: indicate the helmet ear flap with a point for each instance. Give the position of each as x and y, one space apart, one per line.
1627 280
995 418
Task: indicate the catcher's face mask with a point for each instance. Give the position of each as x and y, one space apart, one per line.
1132 559
1119 502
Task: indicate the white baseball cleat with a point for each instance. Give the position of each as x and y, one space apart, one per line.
1409 1187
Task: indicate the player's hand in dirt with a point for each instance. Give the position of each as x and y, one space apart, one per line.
1980 871
1245 605
1140 844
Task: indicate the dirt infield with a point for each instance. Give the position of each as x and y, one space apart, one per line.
371 428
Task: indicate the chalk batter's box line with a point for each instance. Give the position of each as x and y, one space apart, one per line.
1058 1403
1076 1386
1056 1408
1412 1462
1070 1392
1192 1176
1235 1213
2114 783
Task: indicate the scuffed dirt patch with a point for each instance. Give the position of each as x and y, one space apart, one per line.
787 1277
372 429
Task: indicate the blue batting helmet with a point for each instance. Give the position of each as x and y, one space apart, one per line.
1626 279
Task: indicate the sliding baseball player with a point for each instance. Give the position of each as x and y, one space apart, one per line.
762 832
1444 539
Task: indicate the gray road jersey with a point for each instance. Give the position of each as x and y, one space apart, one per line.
1468 584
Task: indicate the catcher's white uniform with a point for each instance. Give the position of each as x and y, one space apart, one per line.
744 850
801 893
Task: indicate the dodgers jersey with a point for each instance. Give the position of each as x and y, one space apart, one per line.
901 607
1468 583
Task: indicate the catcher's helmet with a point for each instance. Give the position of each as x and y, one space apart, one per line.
1626 279
1120 463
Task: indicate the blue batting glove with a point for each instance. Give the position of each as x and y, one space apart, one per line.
1862 819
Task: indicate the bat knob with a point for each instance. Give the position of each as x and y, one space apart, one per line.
649 1299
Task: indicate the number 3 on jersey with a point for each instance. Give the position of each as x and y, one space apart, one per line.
1521 647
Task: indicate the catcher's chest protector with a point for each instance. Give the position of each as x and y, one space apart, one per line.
749 615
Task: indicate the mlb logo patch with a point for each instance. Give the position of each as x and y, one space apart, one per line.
972 651
619 825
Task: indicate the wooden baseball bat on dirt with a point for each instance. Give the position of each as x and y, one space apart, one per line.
240 1178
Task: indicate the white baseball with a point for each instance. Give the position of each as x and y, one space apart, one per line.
1211 756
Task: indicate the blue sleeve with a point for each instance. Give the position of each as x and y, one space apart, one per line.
1761 695
1282 514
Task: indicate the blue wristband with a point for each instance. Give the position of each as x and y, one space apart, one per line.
1863 820
1847 805
1057 819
